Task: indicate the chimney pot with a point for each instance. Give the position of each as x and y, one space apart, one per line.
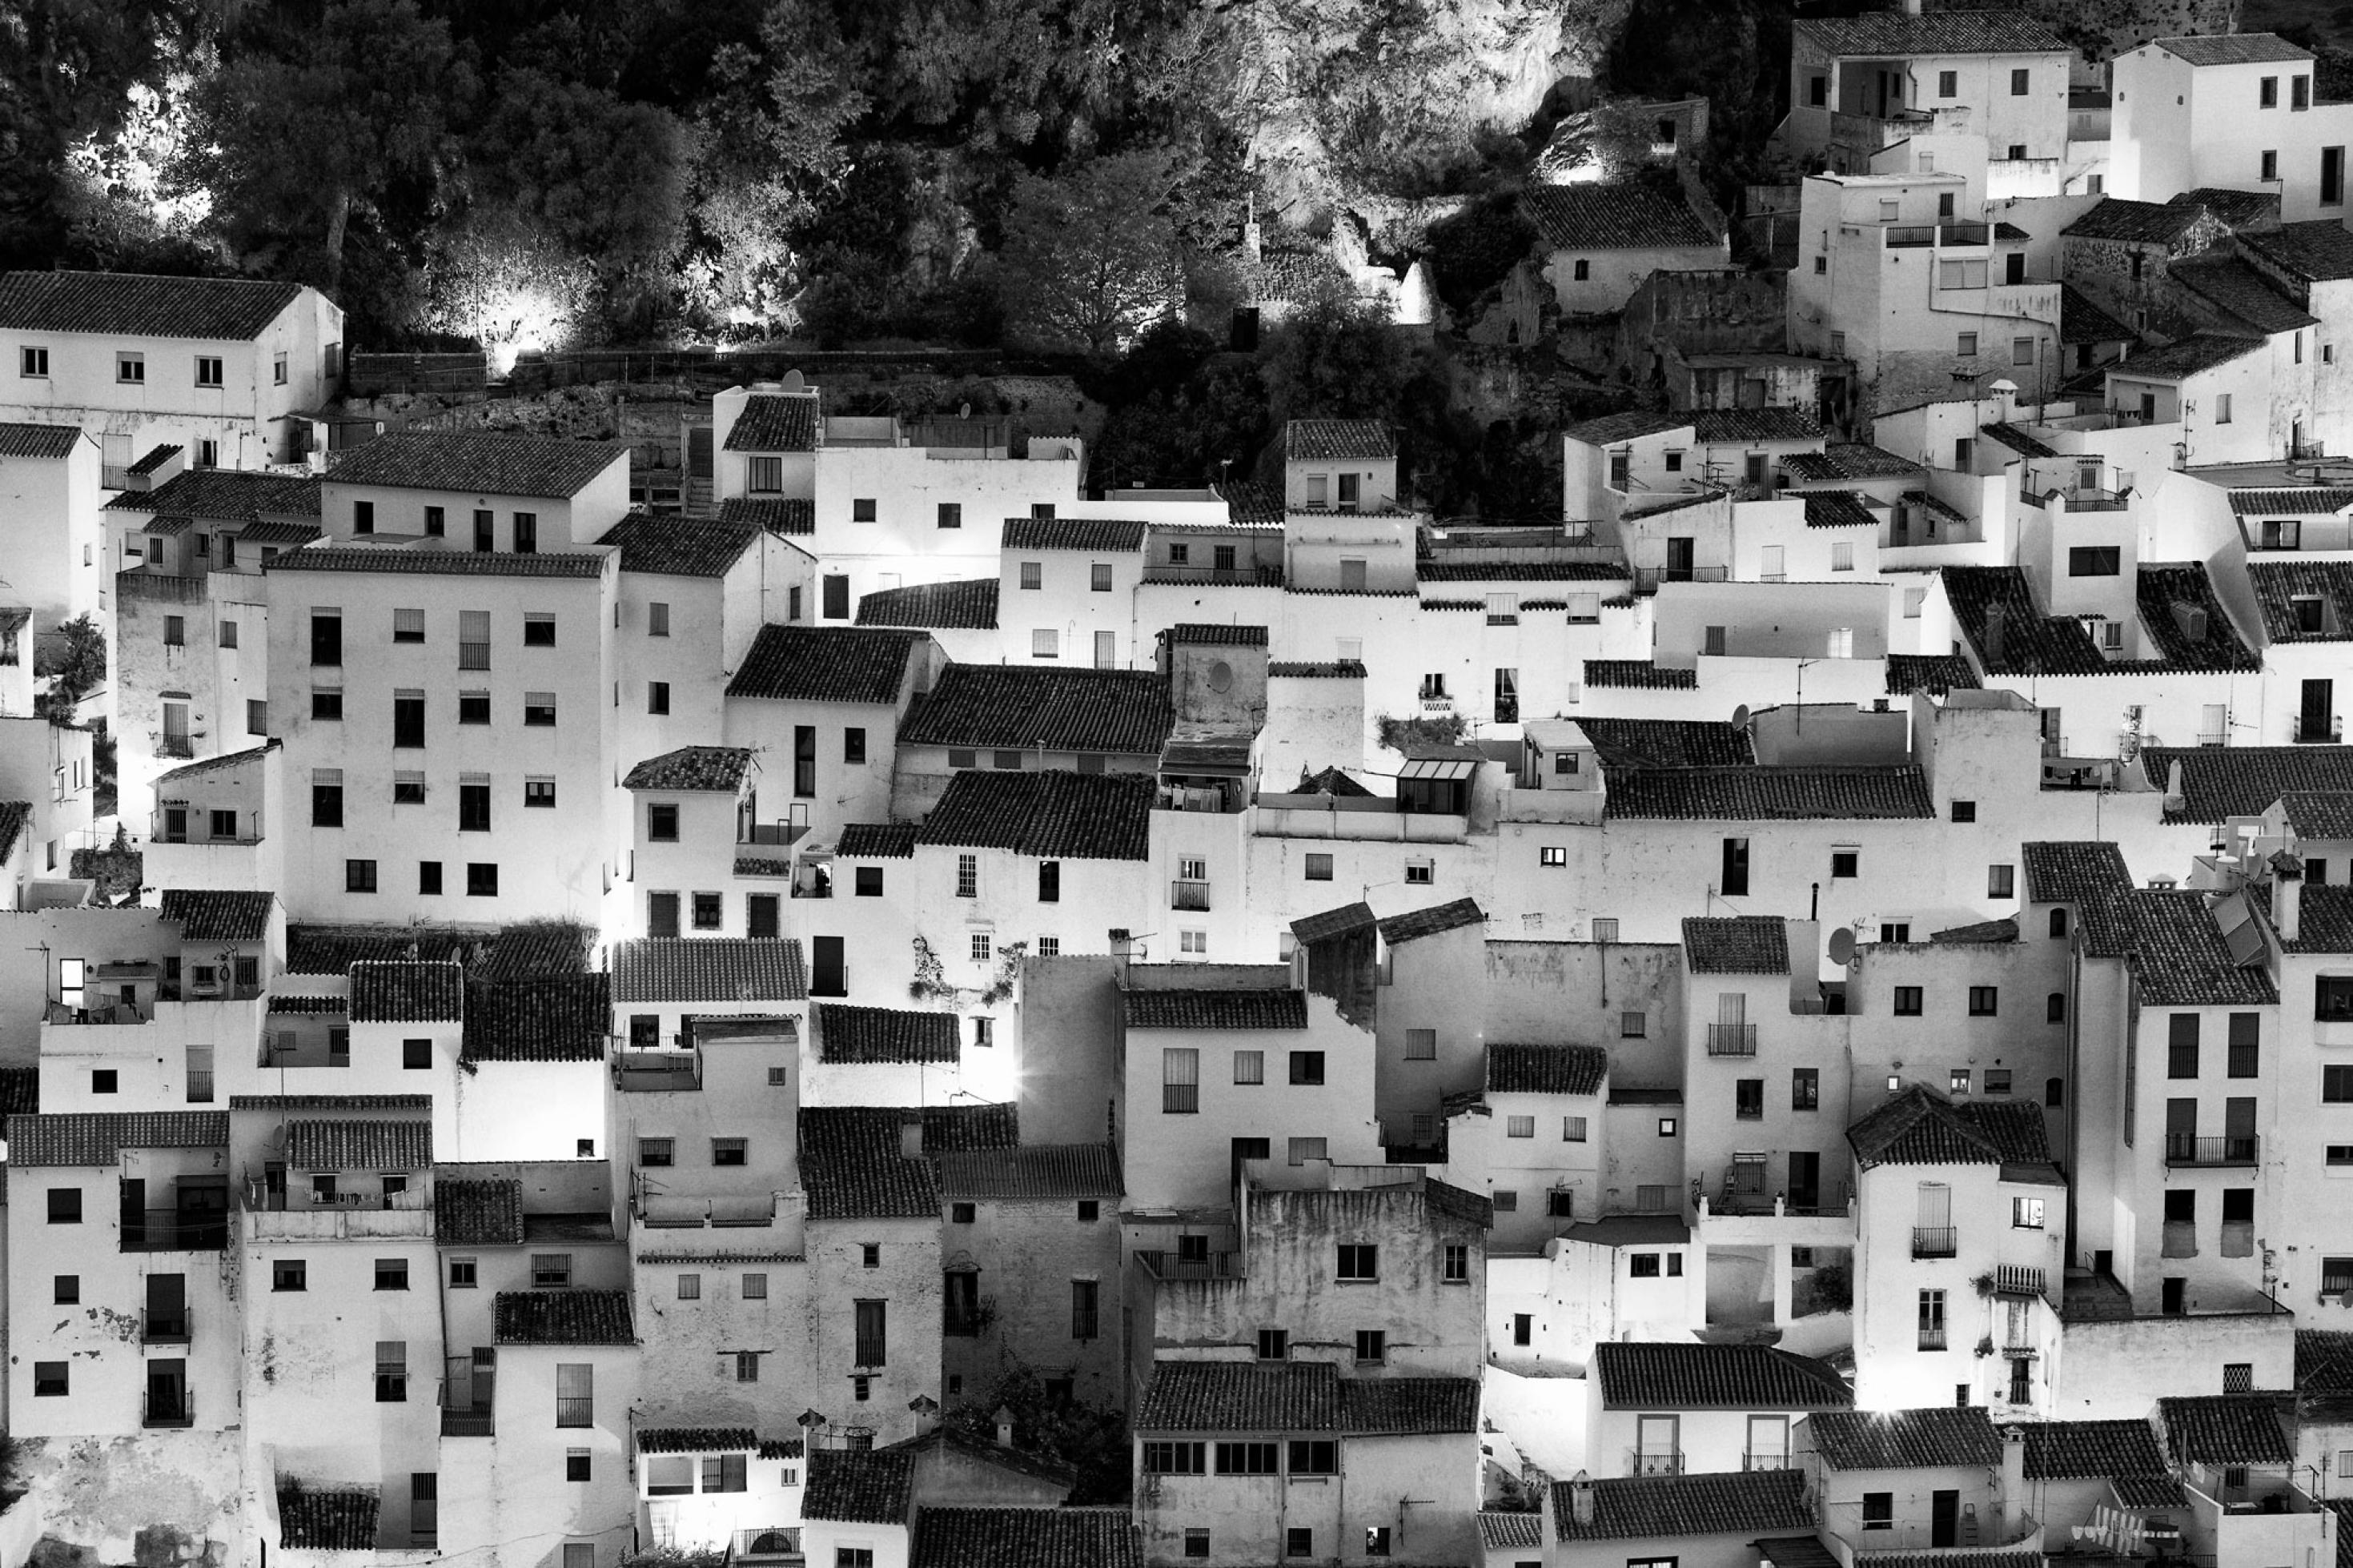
1580 1498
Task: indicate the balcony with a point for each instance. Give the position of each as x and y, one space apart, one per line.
2319 731
1165 1265
1935 1241
2019 1282
118 1012
467 1424
161 1407
164 1327
2187 1149
1918 1534
1646 579
1188 894
1732 1039
575 1410
1654 1461
171 1230
1918 236
1765 1459
772 1543
658 1072
1934 1340
466 1398
1217 576
772 834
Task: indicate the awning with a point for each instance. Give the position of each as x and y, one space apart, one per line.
1424 768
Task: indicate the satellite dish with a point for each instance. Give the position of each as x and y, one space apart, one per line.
1740 717
793 381
963 411
1842 946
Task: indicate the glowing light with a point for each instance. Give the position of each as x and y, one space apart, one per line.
509 291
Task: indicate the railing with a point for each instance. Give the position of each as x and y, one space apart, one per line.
1218 576
1932 1339
1654 1461
1765 1459
2324 733
2086 498
168 1230
1935 1241
1162 1265
2188 1149
1732 1039
1188 894
870 1351
174 746
164 1327
114 1012
114 476
647 1072
771 1544
2016 1279
1647 578
473 655
575 1411
467 1424
836 984
473 1418
1180 1098
167 1409
773 833
2306 451
2212 737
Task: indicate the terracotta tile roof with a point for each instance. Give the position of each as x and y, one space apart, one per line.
2278 585
1763 795
437 562
2073 871
1722 427
2179 956
1935 673
721 769
329 1519
1249 501
1241 1396
769 422
1736 944
1617 217
2319 251
846 1034
1026 1538
1935 1437
309 1004
1943 1560
213 764
853 1166
2018 439
1837 508
876 841
1917 1128
384 993
2218 782
2238 289
939 607
1343 440
1040 1171
2031 642
2168 593
825 664
2082 322
2324 1361
961 1129
2319 813
1499 1531
1933 33
2237 208
2301 501
2233 48
1392 1407
341 1145
294 533
785 517
2082 1450
14 815
1203 634
2187 356
680 546
856 1487
554 1019
1639 673
524 949
709 969
1700 497
781 1448
1052 814
2224 1429
43 442
136 304
1637 743
475 462
1100 535
1520 571
1608 429
477 1212
99 1136
1006 706
1749 1503
1337 669
1546 1070
207 914
1858 460
1664 1376
2141 222
1204 1009
1979 932
2164 1491
20 1091
1329 923
696 1439
1435 921
290 1102
564 1318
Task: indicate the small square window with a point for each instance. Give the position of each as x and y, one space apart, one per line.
392 1274
67 1290
730 1152
870 1254
1965 811
49 1380
289 1274
1099 577
464 1273
1668 1126
102 1080
962 1214
538 631
1633 1026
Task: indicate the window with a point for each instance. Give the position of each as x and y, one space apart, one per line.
1421 1045
1844 863
576 1395
1175 1459
690 1287
576 1465
1932 1320
1879 1511
1359 1261
1181 1080
1984 1001
1735 882
1584 272
65 1205
1997 1080
766 477
33 362
1805 1089
392 1274
756 1287
1372 1346
66 1289
1313 1457
870 1254
1668 1126
2018 82
981 945
391 1372
835 591
1968 345
2026 1213
2182 1046
428 877
539 793
130 368
1454 1263
257 716
2337 1085
1908 1001
729 1150
662 822
2095 560
1307 1068
1086 1323
1197 1541
967 876
1249 1067
1505 1201
1555 855
1249 1459
359 875
2268 93
709 908
1520 1127
473 803
1605 928
481 879
2299 92
538 630
2001 882
48 1380
1319 869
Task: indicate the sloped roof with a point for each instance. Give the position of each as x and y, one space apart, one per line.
860 1487
2233 48
420 562
99 1136
1665 1376
403 992
1270 1009
359 1145
1723 426
207 914
1935 673
2224 1429
1397 1406
1736 944
1039 1170
2032 643
2319 813
1837 508
2220 782
2237 208
1620 215
784 516
1103 536
1933 33
1608 429
1639 674
2231 285
1328 923
2082 322
475 462
1751 793
853 1167
136 304
1342 440
1500 1531
1917 1128
1054 815
938 606
709 969
2168 591
680 546
550 1018
1207 634
327 1519
876 841
2320 250
477 1211
2324 1361
1058 709
2179 956
824 663
42 442
2082 1450
2145 223
1736 1503
720 769
14 815
1546 1070
1625 745
2187 356
1241 1396
2294 501
225 495
846 1034
1935 1437
564 1318
773 423
2279 584
1026 1538
1434 921
202 764
696 1439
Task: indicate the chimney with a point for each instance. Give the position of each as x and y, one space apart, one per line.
2287 894
2174 799
1004 1419
1580 1498
1995 624
926 1412
1911 8
2013 1481
911 1137
1123 951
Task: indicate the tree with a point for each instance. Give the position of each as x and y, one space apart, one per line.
1091 255
79 665
1339 358
293 147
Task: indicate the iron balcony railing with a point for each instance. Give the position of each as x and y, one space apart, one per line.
2017 1279
1935 1241
1188 894
1765 1459
2324 731
1732 1039
1932 1339
169 1230
167 1407
1654 1461
766 1543
2187 1149
158 1327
